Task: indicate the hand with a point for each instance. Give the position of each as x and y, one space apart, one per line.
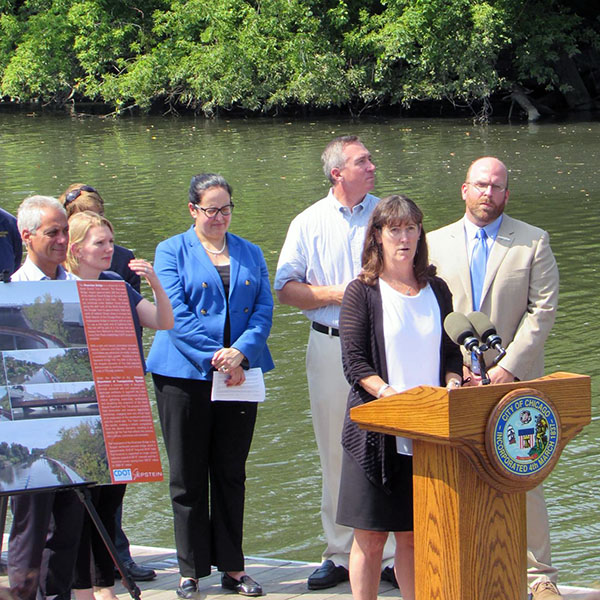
227 359
235 376
337 293
144 269
498 374
453 384
470 379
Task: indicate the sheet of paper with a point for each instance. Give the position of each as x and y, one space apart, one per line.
252 390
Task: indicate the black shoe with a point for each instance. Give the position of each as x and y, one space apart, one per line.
187 589
388 575
245 585
326 576
139 572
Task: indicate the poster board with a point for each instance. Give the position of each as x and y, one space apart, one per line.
73 401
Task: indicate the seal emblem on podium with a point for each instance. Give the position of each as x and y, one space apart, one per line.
522 435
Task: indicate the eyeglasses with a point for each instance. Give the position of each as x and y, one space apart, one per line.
74 194
483 187
212 211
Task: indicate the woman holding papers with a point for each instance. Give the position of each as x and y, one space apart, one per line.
392 340
221 296
90 251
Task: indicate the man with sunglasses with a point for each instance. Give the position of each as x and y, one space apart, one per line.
504 268
79 197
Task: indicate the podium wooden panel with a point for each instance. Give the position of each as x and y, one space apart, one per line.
470 522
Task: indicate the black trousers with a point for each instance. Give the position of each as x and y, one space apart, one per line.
94 565
43 543
207 444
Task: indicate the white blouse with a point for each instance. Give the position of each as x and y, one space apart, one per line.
412 328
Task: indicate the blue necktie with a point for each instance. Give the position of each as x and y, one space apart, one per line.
478 265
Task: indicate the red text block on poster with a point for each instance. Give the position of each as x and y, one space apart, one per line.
120 385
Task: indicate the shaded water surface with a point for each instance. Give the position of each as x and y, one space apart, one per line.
142 168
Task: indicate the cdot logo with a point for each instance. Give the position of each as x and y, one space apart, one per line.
122 475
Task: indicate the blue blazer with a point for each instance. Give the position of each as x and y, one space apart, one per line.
199 306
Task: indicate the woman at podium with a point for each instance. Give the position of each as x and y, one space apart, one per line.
392 340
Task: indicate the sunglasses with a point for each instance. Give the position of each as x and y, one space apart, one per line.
74 194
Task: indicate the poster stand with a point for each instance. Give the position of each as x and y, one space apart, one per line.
84 495
44 400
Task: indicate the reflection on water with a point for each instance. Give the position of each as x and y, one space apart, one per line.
142 168
37 474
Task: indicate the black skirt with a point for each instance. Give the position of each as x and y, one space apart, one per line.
364 505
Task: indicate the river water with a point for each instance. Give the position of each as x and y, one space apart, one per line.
142 167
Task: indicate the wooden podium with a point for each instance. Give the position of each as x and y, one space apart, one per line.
469 507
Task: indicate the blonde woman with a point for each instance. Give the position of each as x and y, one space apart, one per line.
91 246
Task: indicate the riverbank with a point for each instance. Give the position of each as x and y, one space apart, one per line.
503 108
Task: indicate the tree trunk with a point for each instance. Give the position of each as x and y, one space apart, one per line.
577 97
519 96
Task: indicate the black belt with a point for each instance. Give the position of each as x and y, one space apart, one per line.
323 329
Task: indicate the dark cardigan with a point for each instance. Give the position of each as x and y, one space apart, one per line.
363 354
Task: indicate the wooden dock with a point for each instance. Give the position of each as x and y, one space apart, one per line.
281 580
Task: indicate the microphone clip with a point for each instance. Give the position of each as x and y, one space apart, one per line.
481 369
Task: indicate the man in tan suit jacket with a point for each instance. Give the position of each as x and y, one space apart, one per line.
520 295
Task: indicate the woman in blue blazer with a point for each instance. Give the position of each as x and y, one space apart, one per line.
223 306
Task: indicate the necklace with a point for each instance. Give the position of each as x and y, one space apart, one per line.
403 288
407 291
216 251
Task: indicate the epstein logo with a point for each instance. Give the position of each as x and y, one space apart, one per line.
523 433
122 475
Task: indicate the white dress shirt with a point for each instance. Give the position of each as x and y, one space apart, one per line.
323 246
29 271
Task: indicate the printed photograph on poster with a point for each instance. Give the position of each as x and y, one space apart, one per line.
37 317
44 362
46 400
53 452
73 401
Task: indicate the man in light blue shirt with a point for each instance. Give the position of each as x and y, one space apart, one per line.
320 256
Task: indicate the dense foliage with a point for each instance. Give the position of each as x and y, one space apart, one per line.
46 315
82 448
15 454
274 55
72 365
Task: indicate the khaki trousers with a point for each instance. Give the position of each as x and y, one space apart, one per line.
539 561
328 391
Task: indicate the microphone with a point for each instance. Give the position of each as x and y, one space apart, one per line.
460 331
486 330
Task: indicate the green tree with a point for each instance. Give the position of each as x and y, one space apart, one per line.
82 448
272 55
46 314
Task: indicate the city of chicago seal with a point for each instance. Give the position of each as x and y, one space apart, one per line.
522 435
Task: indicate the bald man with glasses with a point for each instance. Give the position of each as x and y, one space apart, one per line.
504 268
